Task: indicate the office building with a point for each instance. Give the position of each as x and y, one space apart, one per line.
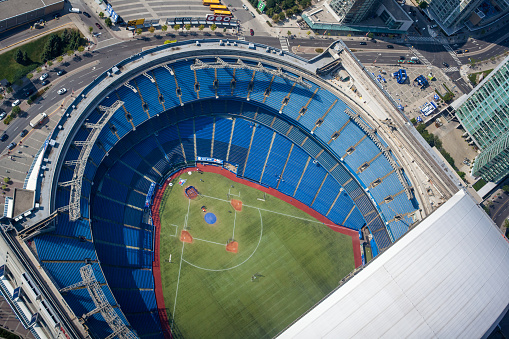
484 114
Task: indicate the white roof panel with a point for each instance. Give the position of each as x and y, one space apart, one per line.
445 278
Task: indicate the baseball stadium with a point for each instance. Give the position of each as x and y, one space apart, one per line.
213 189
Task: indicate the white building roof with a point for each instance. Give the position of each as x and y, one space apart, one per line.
447 277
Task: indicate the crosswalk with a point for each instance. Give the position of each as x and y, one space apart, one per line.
450 69
420 56
284 44
452 53
438 40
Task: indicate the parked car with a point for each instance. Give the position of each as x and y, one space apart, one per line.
43 77
4 137
86 14
390 46
251 31
2 115
16 103
252 14
98 26
459 51
445 64
45 82
11 145
363 43
23 133
62 91
59 73
245 7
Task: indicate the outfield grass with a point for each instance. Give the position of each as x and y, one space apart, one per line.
209 292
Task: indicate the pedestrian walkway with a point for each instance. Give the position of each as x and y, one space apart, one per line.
284 43
450 69
420 56
453 54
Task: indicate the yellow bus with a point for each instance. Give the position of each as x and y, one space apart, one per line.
222 12
211 2
218 8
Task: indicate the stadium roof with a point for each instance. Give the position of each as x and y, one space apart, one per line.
12 8
447 277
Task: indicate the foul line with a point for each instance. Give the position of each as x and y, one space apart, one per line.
231 268
177 291
187 215
265 210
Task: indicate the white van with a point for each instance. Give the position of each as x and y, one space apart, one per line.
414 58
74 10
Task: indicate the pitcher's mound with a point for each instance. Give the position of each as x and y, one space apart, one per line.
232 247
185 236
236 204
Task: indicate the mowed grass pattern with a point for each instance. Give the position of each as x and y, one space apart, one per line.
209 292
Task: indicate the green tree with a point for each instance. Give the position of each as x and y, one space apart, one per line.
138 31
289 33
188 26
164 28
270 12
371 35
108 22
201 27
282 16
176 27
101 15
7 180
308 33
70 52
50 63
15 111
60 58
213 27
90 29
81 49
152 29
423 5
275 18
506 188
18 57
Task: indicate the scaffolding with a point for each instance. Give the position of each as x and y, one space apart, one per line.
102 305
81 163
220 63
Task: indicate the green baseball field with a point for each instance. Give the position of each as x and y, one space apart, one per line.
242 271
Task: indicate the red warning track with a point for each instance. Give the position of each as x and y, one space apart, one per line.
156 269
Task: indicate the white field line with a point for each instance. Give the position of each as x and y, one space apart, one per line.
212 242
231 268
177 291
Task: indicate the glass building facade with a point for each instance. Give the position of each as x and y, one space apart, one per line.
485 116
353 11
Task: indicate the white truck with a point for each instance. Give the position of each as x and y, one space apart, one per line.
38 119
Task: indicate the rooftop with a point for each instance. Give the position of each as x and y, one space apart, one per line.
12 8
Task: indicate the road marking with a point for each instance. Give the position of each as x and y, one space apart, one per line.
284 43
420 56
452 53
42 33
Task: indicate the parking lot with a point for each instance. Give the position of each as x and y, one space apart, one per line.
409 94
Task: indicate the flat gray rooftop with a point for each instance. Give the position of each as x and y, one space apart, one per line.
12 8
23 201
